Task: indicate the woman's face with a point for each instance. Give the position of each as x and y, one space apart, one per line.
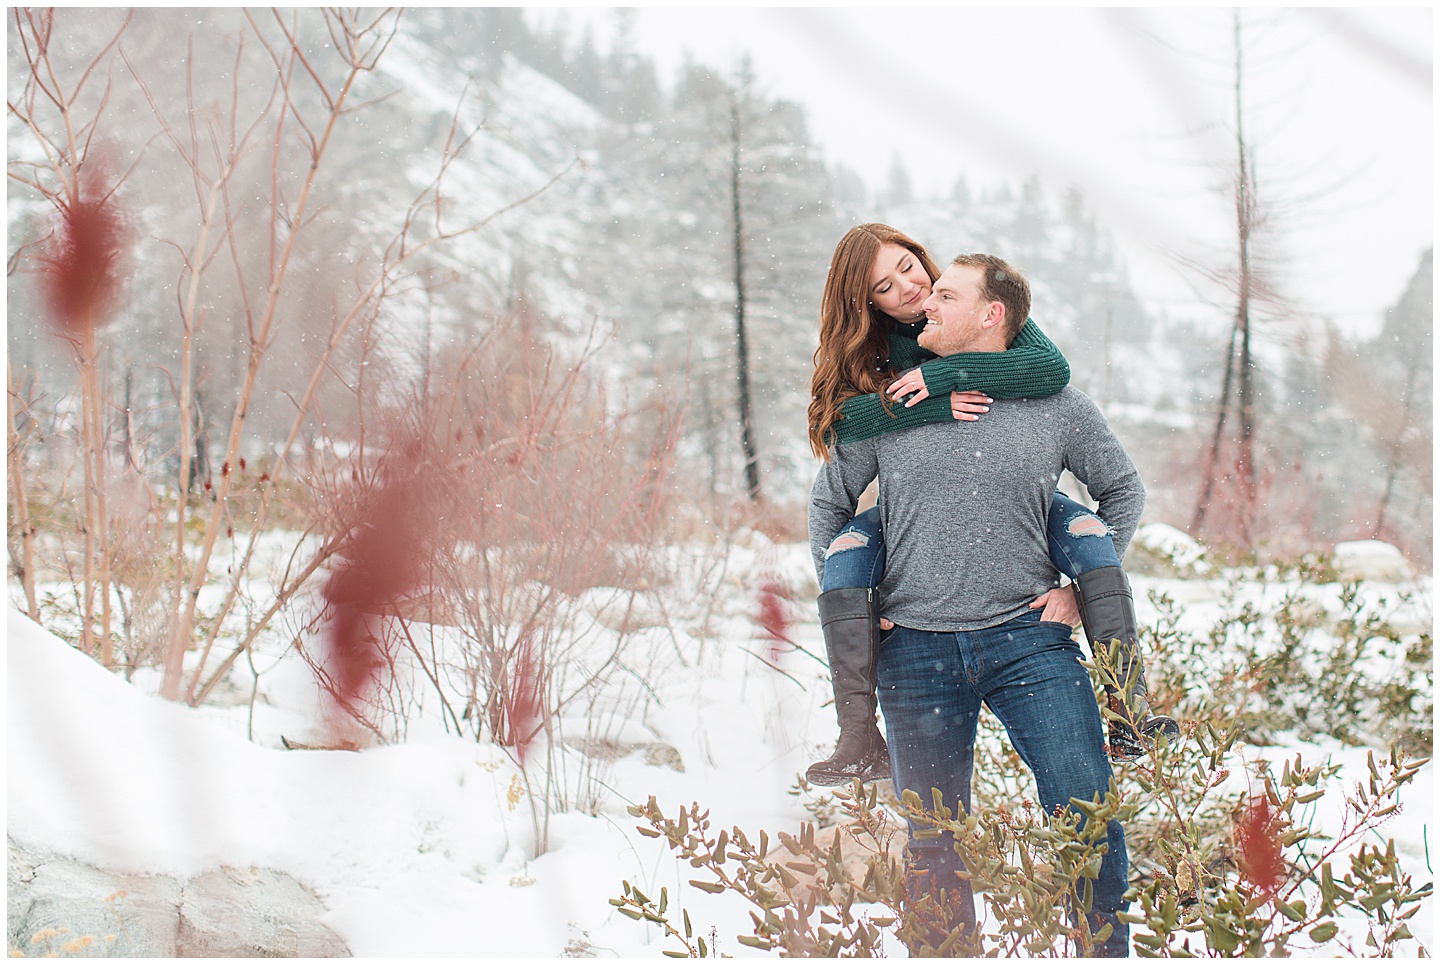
899 284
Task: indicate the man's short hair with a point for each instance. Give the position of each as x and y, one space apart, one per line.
1004 283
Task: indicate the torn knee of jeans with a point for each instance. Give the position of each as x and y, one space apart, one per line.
1087 524
847 541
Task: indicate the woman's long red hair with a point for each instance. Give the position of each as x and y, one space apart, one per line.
854 353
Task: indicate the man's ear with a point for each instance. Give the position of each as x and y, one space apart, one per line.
994 315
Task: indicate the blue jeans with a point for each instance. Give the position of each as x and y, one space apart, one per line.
932 685
1079 541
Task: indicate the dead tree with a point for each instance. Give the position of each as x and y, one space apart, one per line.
1237 390
742 351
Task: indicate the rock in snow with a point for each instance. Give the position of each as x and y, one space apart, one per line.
56 904
1370 559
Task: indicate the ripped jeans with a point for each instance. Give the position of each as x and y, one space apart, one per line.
1079 541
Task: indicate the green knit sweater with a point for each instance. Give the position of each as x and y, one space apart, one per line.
1031 367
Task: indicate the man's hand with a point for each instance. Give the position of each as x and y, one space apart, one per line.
1060 606
886 624
967 405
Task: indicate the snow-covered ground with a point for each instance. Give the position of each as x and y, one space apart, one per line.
425 847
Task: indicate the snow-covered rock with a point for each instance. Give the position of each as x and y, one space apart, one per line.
57 904
1371 559
1173 548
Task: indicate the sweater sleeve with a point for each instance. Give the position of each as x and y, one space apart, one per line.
1030 368
864 416
836 492
1096 457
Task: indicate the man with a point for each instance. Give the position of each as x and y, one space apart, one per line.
963 507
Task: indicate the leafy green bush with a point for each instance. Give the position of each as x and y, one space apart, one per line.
1298 666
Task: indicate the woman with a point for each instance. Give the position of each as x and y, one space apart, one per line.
871 377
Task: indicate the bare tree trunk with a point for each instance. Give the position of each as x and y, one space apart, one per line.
1239 364
1397 449
742 367
96 567
1212 459
1244 224
102 510
21 518
128 429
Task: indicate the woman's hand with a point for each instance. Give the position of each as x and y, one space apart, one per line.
967 405
1060 606
912 381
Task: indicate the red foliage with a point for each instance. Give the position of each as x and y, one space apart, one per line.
385 547
1257 846
525 704
774 617
82 266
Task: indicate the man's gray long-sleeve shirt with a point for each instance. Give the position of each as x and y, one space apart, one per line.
963 506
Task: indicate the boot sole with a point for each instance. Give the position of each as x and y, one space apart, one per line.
1161 726
868 774
840 780
1132 749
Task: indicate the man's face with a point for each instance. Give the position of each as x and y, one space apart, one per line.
956 312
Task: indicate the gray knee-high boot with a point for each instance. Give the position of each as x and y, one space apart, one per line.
1107 610
850 622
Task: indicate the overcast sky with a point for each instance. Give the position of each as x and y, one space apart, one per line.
1134 105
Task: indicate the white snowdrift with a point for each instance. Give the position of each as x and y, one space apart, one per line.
398 841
